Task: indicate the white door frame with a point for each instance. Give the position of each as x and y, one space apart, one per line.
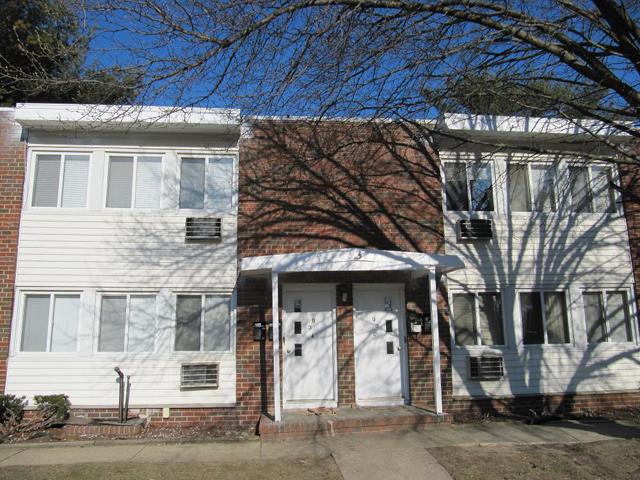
402 332
288 288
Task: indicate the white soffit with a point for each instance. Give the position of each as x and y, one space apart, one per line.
350 260
49 116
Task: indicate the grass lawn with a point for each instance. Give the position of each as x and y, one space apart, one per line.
322 469
619 459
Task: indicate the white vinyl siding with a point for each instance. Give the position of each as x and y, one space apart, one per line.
477 319
134 181
607 317
202 329
60 180
207 182
50 322
127 323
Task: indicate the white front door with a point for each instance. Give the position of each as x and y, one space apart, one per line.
308 332
379 342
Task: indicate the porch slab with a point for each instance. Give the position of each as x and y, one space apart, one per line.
330 422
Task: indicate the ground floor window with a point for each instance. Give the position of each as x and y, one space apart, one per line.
607 316
127 323
50 322
202 323
544 318
477 319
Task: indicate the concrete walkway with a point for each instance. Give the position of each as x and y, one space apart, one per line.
366 456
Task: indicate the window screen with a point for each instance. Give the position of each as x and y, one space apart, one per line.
216 324
556 317
192 173
532 323
35 323
188 322
113 318
542 187
46 181
518 187
148 182
594 317
64 332
490 317
142 323
603 198
220 184
580 192
120 182
75 181
457 197
464 318
618 317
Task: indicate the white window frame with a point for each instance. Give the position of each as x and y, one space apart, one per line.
630 315
467 162
19 330
614 178
128 295
567 309
528 165
134 173
33 160
476 310
203 299
208 156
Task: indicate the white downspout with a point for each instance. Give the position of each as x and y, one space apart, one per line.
275 314
435 341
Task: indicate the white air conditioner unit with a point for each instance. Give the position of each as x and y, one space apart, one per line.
203 229
475 229
199 375
486 367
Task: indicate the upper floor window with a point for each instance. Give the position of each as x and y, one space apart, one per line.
60 180
50 322
207 183
202 323
127 323
468 186
531 187
134 181
477 319
607 317
591 189
544 318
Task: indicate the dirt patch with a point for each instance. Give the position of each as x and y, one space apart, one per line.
320 469
608 459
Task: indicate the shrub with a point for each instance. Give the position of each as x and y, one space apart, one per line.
56 406
11 408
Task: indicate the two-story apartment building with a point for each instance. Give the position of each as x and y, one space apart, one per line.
178 246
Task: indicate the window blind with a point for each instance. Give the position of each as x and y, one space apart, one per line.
518 188
188 322
542 186
620 329
580 194
35 323
46 181
75 181
142 323
113 318
594 317
148 176
464 319
490 319
120 182
192 183
216 324
220 184
555 313
602 192
64 331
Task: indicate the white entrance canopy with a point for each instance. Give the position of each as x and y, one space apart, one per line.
352 260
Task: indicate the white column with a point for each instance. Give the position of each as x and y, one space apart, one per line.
435 341
275 313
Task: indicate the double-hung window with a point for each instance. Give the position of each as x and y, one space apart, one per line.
50 322
127 323
477 319
544 318
60 180
531 187
134 181
607 316
203 323
590 189
207 182
468 186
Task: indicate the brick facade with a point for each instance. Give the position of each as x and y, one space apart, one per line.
12 166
